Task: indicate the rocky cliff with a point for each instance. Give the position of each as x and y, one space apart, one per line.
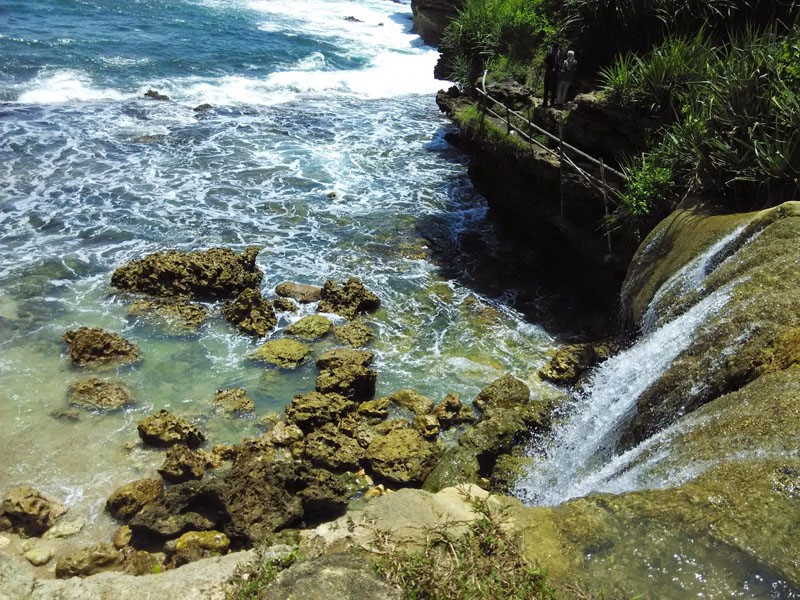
432 16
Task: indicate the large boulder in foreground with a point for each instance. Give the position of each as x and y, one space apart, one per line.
214 274
348 299
30 512
92 347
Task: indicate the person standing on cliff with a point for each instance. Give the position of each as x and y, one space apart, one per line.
565 77
552 63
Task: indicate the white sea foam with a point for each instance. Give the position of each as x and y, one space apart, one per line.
65 86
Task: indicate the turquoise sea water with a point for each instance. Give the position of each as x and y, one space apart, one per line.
323 145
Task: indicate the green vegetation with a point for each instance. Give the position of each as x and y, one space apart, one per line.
250 579
481 564
718 78
730 114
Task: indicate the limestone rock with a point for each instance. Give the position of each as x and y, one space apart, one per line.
250 313
164 429
284 353
39 555
141 562
356 334
88 561
196 545
570 362
310 327
346 372
99 395
129 499
343 576
348 299
427 426
234 401
413 401
431 17
329 448
284 434
89 347
374 410
16 577
312 410
65 528
176 314
451 412
122 537
285 305
505 392
214 274
402 456
182 464
30 512
299 291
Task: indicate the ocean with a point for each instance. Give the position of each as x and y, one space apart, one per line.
321 143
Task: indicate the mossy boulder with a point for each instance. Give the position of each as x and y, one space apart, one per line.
402 456
129 499
310 327
214 274
502 393
451 412
348 299
356 334
346 372
92 347
313 410
329 448
183 464
570 362
300 292
164 429
98 395
196 545
375 410
174 314
251 313
284 353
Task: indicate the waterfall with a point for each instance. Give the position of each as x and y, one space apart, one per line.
577 458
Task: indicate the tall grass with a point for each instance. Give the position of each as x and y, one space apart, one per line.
731 114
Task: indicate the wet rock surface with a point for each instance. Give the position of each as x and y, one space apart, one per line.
356 334
310 327
214 274
348 299
251 313
300 292
175 314
30 512
129 499
571 362
284 353
98 395
90 347
346 372
164 429
313 410
234 401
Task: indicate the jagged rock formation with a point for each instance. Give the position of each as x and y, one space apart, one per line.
432 16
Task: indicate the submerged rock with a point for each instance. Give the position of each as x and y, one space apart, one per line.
348 299
234 401
90 346
251 313
164 429
299 291
95 394
284 353
175 314
212 274
129 499
310 327
29 511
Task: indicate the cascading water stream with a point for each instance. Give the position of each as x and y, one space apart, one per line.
579 454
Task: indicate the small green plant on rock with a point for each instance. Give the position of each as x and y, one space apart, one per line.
483 563
250 579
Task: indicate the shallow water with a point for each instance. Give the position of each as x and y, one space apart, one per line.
323 145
